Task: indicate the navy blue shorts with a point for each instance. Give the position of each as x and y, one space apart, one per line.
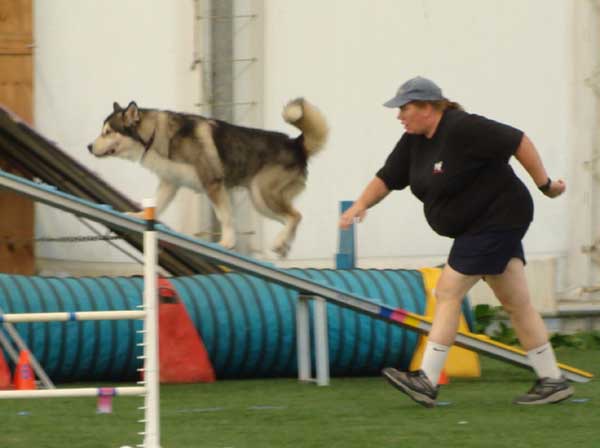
486 253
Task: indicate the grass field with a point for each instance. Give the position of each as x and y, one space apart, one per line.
351 413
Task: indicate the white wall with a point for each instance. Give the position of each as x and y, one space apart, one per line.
88 54
504 59
507 59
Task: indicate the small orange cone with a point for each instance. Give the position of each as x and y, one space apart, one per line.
443 378
4 373
24 379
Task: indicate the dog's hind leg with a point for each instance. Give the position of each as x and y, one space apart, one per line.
272 192
222 206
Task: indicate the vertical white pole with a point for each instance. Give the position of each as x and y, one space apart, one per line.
303 339
151 374
321 341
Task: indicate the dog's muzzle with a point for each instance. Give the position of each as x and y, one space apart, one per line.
90 148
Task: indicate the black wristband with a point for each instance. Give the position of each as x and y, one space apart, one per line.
544 188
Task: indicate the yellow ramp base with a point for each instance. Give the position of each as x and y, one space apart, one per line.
460 362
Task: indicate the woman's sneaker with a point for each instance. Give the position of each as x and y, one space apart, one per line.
414 384
546 390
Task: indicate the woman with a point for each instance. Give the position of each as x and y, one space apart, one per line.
457 164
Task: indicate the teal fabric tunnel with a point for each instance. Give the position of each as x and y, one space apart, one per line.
247 324
78 351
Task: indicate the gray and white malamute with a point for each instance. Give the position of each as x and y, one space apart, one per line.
187 150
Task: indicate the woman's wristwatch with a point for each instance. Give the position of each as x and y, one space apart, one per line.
544 188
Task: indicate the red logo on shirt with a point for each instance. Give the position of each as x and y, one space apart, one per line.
438 167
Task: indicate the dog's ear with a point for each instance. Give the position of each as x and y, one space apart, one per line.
116 107
131 116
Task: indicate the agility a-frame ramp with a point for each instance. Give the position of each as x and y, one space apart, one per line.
216 254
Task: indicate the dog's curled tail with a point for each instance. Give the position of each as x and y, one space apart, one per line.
306 117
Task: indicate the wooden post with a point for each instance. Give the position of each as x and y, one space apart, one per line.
16 93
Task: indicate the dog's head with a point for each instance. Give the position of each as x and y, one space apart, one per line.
120 136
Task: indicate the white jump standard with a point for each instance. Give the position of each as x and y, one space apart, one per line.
149 387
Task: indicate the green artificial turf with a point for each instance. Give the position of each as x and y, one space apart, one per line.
350 413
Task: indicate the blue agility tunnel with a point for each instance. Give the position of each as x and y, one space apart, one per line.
247 324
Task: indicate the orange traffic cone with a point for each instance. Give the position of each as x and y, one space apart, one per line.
24 378
4 373
443 378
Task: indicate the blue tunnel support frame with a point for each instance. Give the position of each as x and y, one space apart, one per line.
51 196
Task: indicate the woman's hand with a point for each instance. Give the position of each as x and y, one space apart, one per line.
557 187
374 192
356 213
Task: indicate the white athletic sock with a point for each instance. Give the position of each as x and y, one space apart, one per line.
543 361
434 359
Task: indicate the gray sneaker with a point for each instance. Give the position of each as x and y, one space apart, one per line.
545 391
414 384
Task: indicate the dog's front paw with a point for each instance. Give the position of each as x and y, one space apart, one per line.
227 243
282 249
138 215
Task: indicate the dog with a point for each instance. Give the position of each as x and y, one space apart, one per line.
213 156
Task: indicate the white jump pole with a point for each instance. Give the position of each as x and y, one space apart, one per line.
74 392
71 316
151 374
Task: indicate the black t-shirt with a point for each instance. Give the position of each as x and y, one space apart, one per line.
462 175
